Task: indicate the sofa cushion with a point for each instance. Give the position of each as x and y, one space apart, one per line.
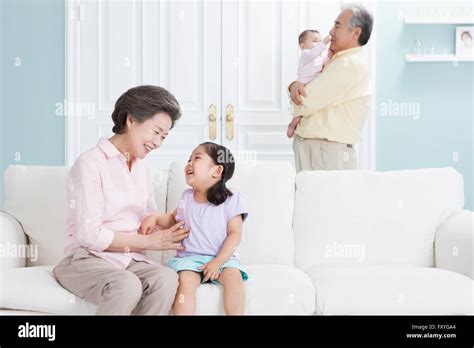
36 196
36 289
372 217
271 289
390 290
268 188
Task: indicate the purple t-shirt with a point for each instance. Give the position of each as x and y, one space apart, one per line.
207 223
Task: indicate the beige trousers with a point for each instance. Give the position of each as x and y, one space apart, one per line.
320 154
140 289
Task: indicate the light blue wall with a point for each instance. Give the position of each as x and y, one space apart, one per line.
34 32
444 94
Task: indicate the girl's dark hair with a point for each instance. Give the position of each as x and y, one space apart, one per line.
142 103
220 155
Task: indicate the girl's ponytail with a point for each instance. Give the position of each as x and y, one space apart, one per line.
218 193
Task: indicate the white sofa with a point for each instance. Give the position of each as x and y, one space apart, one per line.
322 242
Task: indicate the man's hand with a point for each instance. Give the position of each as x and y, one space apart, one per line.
169 239
296 91
148 224
211 269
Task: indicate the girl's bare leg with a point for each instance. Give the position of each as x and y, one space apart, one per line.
185 301
234 295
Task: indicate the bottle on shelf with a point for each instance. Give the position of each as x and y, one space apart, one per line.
417 48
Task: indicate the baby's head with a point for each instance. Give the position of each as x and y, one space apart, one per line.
466 38
209 168
308 39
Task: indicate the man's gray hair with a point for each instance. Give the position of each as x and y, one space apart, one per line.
360 18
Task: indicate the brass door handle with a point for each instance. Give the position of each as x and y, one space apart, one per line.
229 111
212 122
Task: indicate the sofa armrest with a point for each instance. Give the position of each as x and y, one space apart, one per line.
454 243
13 242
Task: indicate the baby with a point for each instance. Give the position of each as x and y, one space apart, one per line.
312 60
214 214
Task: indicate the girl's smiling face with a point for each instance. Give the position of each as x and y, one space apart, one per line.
201 172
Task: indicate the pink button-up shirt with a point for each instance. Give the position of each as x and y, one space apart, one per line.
106 197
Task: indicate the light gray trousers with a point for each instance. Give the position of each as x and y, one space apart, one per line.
320 154
142 288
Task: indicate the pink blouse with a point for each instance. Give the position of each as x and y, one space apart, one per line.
105 197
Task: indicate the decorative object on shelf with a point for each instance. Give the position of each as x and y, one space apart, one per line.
464 38
465 43
417 48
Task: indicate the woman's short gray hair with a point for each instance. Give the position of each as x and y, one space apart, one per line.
360 18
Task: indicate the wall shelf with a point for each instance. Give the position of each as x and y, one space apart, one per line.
439 20
420 58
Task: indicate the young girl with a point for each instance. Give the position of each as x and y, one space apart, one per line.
214 215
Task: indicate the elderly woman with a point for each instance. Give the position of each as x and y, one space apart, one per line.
109 193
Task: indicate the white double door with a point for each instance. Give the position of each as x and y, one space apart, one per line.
227 62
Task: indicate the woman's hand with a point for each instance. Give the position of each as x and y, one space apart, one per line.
148 224
211 270
169 239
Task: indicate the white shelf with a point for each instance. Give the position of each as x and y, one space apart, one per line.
419 58
439 20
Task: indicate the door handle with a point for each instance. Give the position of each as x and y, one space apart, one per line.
212 122
229 111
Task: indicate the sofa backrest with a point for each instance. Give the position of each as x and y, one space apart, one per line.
36 196
268 188
339 216
365 217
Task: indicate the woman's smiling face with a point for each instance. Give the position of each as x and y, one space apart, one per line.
148 135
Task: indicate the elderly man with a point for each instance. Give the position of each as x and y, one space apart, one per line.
335 105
